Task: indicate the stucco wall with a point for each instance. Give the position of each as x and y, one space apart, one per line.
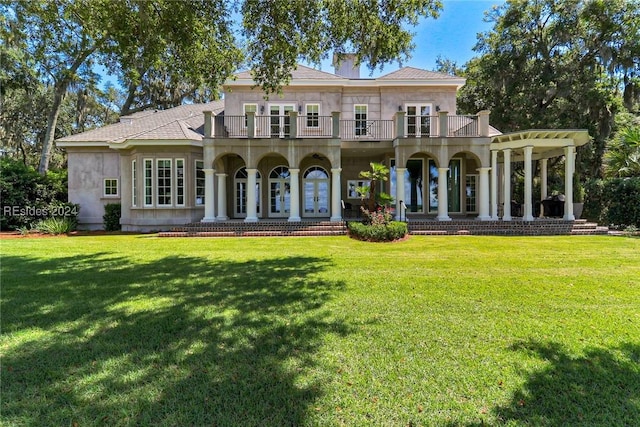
88 168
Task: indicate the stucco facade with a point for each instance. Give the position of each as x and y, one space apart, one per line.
298 155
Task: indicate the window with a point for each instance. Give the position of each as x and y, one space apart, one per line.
353 184
361 119
180 182
199 183
148 182
249 108
313 115
110 187
163 188
134 184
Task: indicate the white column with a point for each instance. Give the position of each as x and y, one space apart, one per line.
528 180
336 195
506 215
483 195
294 213
443 203
209 211
494 185
252 213
569 160
400 193
543 183
222 197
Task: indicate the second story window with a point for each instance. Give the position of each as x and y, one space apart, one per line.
361 119
313 115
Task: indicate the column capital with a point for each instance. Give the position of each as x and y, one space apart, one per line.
484 169
221 174
251 170
336 170
294 170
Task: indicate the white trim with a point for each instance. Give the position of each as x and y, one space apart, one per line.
366 119
104 188
453 82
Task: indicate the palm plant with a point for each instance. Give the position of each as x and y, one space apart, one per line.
378 172
622 159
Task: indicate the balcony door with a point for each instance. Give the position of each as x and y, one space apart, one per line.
280 121
419 120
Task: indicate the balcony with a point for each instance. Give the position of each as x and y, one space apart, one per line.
293 126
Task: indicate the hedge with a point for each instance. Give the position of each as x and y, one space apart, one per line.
614 201
378 233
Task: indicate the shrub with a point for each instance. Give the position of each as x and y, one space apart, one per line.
28 196
394 230
56 225
112 213
614 201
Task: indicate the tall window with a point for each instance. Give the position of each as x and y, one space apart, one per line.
199 182
471 193
163 188
361 119
313 115
249 108
418 119
110 187
134 184
148 182
180 182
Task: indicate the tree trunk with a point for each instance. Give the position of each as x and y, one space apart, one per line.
59 92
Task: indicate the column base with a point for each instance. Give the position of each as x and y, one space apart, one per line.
222 218
444 218
527 218
484 218
335 219
208 219
294 219
507 218
569 217
251 219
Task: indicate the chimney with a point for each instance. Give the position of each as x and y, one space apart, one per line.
346 66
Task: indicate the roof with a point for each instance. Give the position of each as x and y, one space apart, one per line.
411 73
406 76
301 72
178 123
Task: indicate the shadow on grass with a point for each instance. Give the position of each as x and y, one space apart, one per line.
601 388
178 341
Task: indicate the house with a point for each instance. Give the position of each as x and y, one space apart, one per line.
298 155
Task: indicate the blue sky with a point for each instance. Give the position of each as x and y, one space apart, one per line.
453 35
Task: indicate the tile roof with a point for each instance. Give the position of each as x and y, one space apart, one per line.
183 122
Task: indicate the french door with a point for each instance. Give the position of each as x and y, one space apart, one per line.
241 191
280 121
316 192
279 192
419 120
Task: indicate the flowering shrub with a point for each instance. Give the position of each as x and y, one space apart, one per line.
380 216
394 230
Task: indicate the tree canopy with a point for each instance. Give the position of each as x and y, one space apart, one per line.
166 52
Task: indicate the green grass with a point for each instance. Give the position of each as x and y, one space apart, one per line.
453 331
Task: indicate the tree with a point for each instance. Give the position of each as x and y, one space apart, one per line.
168 51
622 159
557 64
379 172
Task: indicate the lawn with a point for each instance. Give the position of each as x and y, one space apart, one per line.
444 331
